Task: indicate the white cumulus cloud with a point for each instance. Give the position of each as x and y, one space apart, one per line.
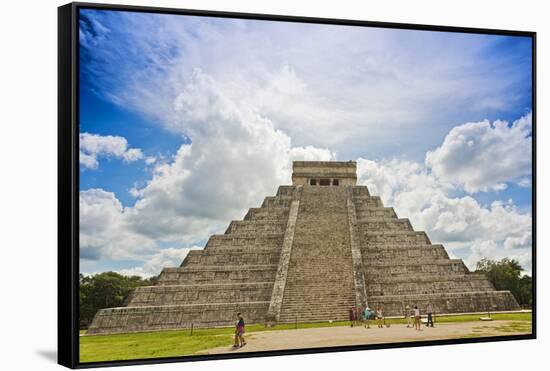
461 223
484 156
104 231
93 146
237 158
169 257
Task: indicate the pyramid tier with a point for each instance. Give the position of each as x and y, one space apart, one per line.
256 228
432 284
235 257
201 294
391 252
209 274
168 317
229 242
403 238
449 302
368 213
387 225
363 203
266 214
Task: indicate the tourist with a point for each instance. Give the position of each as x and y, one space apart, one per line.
429 312
366 315
380 317
416 318
408 316
239 331
352 316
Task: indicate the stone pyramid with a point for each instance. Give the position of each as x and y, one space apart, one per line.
317 248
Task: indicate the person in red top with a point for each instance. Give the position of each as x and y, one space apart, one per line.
239 331
352 316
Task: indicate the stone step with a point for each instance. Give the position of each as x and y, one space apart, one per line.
360 191
321 256
239 249
287 191
200 294
317 306
372 239
386 225
231 257
312 306
437 277
326 302
315 276
317 317
362 202
220 268
255 228
319 275
262 214
374 273
168 317
399 247
378 289
222 274
456 302
376 213
390 252
411 263
225 241
277 202
313 290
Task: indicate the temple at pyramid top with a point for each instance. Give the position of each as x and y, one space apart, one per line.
324 173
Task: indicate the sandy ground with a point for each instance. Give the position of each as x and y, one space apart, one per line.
338 336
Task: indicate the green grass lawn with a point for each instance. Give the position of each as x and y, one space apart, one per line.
175 343
150 344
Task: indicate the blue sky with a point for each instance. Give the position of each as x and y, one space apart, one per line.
186 122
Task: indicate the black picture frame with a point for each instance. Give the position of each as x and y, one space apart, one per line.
68 180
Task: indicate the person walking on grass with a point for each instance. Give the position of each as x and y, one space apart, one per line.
239 332
416 318
380 317
429 312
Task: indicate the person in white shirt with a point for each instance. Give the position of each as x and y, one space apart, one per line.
416 318
380 318
408 316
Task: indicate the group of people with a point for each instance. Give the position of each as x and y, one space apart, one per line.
357 315
412 315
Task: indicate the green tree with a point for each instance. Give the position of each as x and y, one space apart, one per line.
105 290
505 274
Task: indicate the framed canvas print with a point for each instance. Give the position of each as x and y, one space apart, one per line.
238 185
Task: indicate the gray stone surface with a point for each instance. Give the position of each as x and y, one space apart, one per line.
361 299
282 272
309 253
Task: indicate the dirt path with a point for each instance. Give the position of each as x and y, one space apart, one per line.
338 336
